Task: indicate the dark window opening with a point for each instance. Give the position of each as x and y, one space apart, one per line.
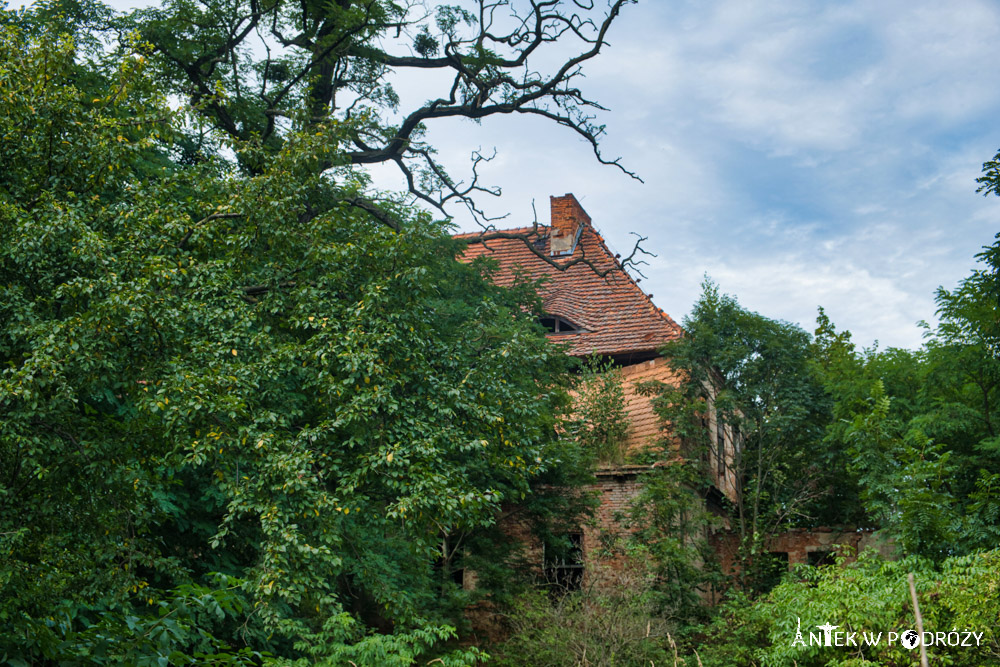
556 324
817 558
703 420
448 565
772 567
564 564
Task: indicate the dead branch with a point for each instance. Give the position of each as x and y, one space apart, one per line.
334 61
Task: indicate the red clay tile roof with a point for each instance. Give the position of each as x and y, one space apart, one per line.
616 316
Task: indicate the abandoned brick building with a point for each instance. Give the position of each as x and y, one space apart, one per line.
611 316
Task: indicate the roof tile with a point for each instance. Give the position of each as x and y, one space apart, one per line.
616 315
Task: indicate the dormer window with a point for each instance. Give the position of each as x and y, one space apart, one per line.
555 324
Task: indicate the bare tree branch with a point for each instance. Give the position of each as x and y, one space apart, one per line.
332 63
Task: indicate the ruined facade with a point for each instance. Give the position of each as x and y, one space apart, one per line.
609 316
594 307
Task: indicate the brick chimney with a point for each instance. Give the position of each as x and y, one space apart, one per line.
568 221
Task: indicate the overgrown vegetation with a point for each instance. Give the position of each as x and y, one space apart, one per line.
254 411
894 440
602 423
868 596
614 624
249 412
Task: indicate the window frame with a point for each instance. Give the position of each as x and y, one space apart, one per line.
560 325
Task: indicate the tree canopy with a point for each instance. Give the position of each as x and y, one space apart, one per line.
258 71
253 409
251 405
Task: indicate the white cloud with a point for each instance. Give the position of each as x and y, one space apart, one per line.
803 154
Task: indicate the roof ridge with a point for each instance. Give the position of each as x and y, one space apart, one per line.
513 230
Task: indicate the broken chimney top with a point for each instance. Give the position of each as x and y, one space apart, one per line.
568 221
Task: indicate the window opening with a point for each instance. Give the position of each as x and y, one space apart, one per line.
448 565
703 418
817 558
773 566
564 566
556 324
720 436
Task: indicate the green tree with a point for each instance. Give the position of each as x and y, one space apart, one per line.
259 72
875 394
755 376
670 525
870 595
241 414
918 427
603 424
966 347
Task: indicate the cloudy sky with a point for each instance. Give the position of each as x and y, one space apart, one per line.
800 154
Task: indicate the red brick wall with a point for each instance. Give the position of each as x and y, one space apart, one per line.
800 542
567 214
616 489
568 218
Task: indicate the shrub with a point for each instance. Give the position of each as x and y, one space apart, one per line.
870 595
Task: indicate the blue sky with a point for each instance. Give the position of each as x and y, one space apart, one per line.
800 154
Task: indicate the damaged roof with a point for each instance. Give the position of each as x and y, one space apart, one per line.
614 315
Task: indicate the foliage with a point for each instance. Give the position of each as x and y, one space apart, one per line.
903 479
599 400
964 356
209 376
179 629
869 595
917 426
344 641
615 624
753 375
262 72
670 525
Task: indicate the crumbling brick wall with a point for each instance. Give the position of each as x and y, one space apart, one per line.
804 546
617 489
